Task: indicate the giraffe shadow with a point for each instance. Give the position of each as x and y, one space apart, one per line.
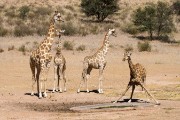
91 91
133 100
29 94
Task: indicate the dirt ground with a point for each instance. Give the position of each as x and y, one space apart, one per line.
163 81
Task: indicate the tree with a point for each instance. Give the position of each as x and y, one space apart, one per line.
154 18
164 18
145 19
99 8
176 7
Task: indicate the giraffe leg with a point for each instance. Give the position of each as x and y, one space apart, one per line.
32 66
60 79
157 103
55 77
45 79
123 93
64 78
100 90
133 88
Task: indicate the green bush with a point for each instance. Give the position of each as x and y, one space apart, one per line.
23 11
130 28
23 30
22 48
69 28
99 8
176 7
128 48
81 48
145 46
68 45
3 31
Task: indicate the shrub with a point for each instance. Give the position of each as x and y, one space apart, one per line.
1 50
3 31
69 7
43 11
128 48
81 48
130 28
22 48
23 11
145 46
99 8
68 45
176 7
11 47
22 30
69 28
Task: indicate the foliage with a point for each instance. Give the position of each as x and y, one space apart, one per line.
22 48
69 28
145 19
154 18
81 48
68 45
145 46
22 30
3 31
128 48
164 19
99 8
176 7
23 11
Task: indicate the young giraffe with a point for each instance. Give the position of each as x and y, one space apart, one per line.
96 61
59 67
137 77
41 57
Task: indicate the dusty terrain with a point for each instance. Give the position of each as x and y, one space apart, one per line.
163 81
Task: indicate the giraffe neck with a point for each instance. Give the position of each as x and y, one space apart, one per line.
59 47
131 66
105 46
48 41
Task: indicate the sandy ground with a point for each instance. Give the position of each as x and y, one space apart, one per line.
163 81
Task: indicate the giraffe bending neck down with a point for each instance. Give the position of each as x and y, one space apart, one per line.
41 57
137 77
96 61
59 67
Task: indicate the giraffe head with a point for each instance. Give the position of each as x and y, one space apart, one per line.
127 56
112 32
57 17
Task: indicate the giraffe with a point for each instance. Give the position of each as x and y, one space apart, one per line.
59 67
41 57
137 77
96 61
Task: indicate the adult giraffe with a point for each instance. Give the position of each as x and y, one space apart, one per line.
41 57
